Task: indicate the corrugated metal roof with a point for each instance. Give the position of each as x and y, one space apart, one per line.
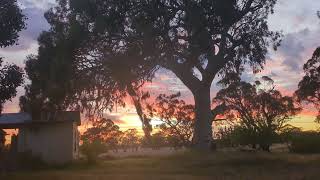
15 118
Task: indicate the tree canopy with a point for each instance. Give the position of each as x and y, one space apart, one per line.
259 108
196 40
11 77
70 71
103 130
11 22
176 116
58 80
309 86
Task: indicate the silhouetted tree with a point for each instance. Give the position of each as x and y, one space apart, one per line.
11 22
51 72
177 117
11 77
309 86
261 110
196 40
57 81
71 72
103 130
130 139
158 140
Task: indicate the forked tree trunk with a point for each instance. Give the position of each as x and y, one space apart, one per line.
202 138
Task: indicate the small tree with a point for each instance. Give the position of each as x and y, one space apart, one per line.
260 110
92 149
158 140
103 135
177 117
103 130
309 86
130 139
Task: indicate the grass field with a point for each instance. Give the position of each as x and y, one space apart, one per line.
187 166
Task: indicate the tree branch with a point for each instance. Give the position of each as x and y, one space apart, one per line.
183 72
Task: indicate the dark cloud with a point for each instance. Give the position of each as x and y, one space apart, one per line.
292 48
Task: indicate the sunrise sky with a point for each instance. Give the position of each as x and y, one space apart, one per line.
296 18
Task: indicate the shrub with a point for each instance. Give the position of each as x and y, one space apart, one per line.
239 135
158 140
305 142
91 150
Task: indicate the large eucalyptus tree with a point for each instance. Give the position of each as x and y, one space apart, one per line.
195 39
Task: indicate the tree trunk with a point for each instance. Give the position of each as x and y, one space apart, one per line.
146 124
202 138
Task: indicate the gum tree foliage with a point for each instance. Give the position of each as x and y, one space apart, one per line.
11 22
71 71
103 130
309 86
196 39
176 116
260 110
130 139
51 72
11 77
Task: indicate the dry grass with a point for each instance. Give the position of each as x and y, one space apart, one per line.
187 166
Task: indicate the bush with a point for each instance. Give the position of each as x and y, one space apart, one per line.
305 142
239 135
158 140
91 150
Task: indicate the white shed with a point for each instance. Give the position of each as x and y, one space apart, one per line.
54 138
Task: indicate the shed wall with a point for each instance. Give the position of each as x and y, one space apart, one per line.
54 143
